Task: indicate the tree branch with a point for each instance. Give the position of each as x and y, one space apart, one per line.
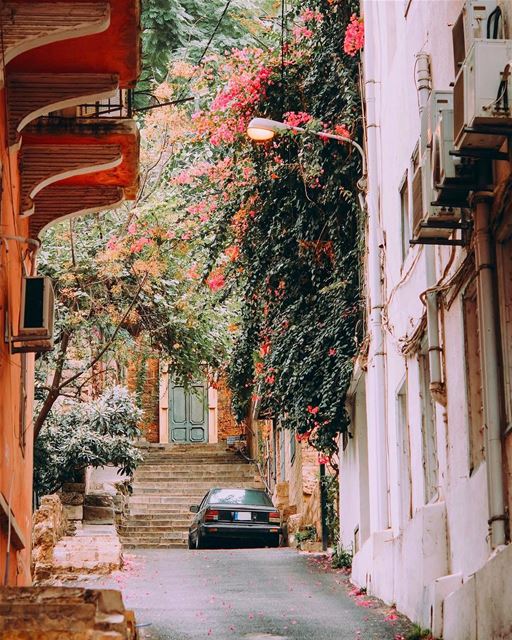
58 384
105 348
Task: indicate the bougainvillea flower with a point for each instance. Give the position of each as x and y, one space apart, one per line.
354 36
216 281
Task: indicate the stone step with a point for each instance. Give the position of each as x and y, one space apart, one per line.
164 473
146 512
154 545
141 530
165 499
164 536
179 486
226 476
168 508
158 520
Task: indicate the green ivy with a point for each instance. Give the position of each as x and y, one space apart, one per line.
301 255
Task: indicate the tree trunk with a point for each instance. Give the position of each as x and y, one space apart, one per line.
55 389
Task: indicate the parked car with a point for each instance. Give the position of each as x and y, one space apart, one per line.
236 515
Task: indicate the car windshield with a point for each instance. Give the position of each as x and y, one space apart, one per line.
240 496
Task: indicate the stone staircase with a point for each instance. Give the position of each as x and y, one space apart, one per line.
168 481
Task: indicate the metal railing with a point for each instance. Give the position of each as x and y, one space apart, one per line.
119 106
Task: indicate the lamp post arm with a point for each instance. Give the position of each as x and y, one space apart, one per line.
333 136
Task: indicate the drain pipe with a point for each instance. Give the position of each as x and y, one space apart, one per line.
485 266
377 441
424 87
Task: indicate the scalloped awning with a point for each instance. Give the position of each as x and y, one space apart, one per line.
71 166
115 49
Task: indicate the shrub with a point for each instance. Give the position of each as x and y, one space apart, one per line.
308 533
86 434
342 559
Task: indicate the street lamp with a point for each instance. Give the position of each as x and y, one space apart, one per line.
263 129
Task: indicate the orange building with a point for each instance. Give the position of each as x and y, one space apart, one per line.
67 146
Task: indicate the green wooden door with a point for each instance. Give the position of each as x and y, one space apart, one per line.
188 413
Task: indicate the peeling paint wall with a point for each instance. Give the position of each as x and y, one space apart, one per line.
437 542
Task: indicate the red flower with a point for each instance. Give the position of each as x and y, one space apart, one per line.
265 349
216 281
354 36
312 410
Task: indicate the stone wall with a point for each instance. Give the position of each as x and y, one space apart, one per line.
61 613
297 495
226 423
150 393
49 526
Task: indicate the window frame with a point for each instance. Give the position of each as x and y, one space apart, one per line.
405 214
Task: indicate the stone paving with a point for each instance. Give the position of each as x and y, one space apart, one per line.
249 594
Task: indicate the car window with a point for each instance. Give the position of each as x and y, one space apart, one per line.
240 496
203 501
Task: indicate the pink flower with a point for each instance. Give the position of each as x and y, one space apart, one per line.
296 119
341 130
132 228
332 352
270 379
192 274
300 33
216 281
323 458
233 252
308 15
265 349
354 36
139 244
112 243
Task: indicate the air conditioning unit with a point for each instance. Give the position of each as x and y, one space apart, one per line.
478 20
451 177
442 183
35 332
482 93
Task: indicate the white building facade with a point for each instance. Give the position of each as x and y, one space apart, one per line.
426 471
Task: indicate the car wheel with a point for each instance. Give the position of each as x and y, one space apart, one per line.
199 541
190 545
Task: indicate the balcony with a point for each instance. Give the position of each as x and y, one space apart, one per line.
71 166
68 113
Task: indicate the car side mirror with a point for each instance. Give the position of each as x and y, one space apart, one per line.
194 508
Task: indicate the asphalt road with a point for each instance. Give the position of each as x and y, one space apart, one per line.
249 594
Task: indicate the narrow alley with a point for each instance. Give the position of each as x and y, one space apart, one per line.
256 319
253 594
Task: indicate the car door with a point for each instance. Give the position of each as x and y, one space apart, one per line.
197 517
